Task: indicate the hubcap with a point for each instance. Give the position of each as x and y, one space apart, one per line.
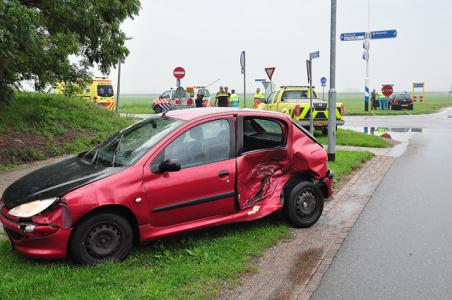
306 203
103 241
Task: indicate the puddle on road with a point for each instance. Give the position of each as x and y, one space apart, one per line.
400 134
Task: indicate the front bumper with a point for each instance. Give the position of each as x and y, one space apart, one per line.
328 181
305 123
43 242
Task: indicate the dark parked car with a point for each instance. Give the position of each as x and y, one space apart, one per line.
400 101
183 170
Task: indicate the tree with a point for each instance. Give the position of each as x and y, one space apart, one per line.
38 38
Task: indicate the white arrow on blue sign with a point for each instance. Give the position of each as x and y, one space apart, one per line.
323 80
313 55
383 34
353 36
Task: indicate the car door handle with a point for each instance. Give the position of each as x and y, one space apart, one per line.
223 173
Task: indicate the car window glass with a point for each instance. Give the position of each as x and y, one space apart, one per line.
105 91
262 133
299 94
202 144
165 95
269 98
275 99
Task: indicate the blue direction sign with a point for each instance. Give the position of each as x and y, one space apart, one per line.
313 55
323 80
353 36
383 34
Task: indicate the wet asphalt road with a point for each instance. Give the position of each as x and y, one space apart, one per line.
401 246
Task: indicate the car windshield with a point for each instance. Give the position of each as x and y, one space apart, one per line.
105 91
127 146
298 96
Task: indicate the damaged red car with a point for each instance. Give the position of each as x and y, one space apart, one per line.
174 172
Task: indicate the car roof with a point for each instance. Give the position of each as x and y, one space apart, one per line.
195 113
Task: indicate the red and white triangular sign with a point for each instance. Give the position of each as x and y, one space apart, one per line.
270 72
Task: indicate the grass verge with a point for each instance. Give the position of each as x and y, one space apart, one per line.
193 266
347 137
39 126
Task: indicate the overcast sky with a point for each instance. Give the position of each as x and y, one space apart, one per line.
206 38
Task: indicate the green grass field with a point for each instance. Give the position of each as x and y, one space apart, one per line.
38 126
354 104
192 266
348 137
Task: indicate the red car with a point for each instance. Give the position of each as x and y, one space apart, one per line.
174 172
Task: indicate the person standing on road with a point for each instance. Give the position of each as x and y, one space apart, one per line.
234 99
382 101
199 99
226 90
221 98
373 99
258 98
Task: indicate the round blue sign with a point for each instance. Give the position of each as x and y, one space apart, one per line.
323 80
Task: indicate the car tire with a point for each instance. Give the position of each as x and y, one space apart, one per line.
157 109
101 237
303 204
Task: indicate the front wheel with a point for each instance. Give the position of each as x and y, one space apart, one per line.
303 205
157 109
101 237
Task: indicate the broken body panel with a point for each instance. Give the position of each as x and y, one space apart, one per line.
247 185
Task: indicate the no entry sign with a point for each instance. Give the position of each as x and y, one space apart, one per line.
270 72
387 90
179 73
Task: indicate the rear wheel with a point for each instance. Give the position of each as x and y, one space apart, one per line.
303 205
101 237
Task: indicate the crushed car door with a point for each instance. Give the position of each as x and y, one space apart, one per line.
263 158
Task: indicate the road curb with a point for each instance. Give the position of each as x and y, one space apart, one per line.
294 269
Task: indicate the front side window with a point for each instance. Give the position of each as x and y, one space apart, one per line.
262 133
165 95
202 144
270 98
129 145
105 91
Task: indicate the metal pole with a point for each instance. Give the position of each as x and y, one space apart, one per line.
244 88
366 80
323 92
332 91
118 89
311 119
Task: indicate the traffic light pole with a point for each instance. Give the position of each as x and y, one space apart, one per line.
332 91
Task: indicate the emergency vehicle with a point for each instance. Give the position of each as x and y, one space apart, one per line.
180 98
100 91
295 102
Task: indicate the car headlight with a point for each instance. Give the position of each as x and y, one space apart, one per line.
30 209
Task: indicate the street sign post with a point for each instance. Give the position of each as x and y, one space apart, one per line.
383 34
387 90
178 73
243 67
352 36
367 36
312 56
332 91
270 72
323 83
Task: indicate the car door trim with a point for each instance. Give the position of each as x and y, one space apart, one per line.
194 202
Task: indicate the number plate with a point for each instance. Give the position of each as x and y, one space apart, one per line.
320 123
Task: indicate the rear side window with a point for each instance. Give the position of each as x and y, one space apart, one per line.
299 94
105 91
262 133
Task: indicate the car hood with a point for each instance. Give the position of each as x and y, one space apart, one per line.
54 180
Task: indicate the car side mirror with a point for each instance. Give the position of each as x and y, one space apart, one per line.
170 165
